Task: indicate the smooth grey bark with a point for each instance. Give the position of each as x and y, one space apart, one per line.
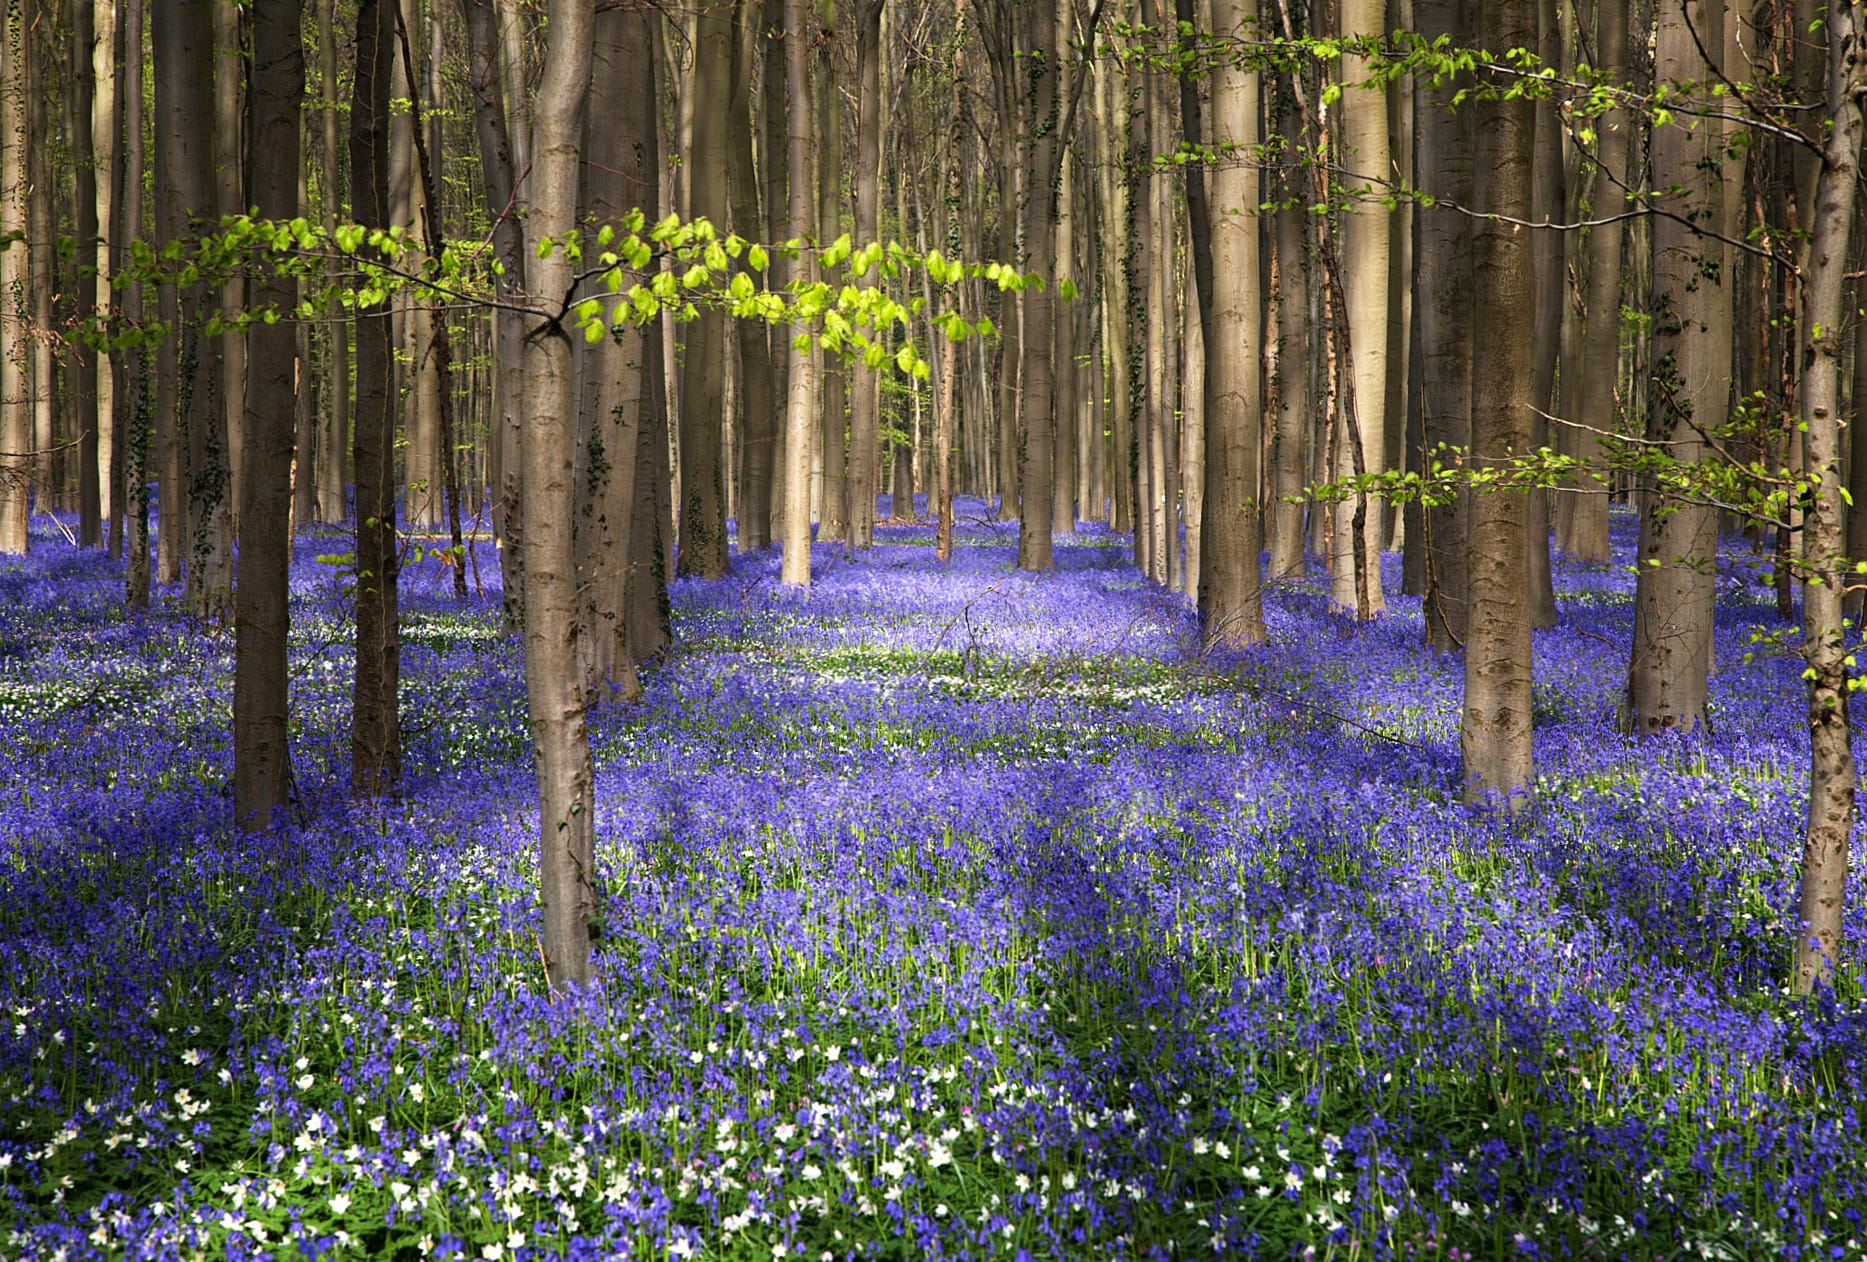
375 725
1587 516
15 410
1668 676
498 176
184 130
1037 304
757 406
703 551
1225 233
616 392
86 363
1549 258
1366 243
1822 894
832 377
800 410
262 766
1444 162
135 402
865 397
229 186
553 684
334 439
1290 448
1494 728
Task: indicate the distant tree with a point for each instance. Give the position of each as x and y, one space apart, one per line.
261 737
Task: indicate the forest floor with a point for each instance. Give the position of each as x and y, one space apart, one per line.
951 913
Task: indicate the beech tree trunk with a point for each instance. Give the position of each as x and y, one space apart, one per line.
756 403
15 409
1587 516
262 767
1691 362
1822 899
703 551
800 415
553 684
865 385
335 438
832 391
137 404
1444 161
375 727
498 174
1494 729
86 365
1226 268
1366 242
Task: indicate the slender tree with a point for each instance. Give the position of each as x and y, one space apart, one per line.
800 417
1690 387
375 727
261 748
1494 730
1225 232
15 410
1821 904
703 494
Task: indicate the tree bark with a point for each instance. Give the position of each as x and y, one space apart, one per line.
1366 242
92 445
1494 729
1587 516
553 685
1668 676
865 384
832 377
757 405
498 174
800 417
137 405
15 409
1444 161
375 728
335 437
1225 268
262 767
1822 898
703 551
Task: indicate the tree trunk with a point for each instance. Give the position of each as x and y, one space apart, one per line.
87 364
335 437
230 199
1548 196
1289 452
375 729
184 50
15 410
1036 367
757 405
1366 242
1494 730
262 768
498 174
553 685
832 376
1668 676
800 415
1225 270
1444 161
137 404
1601 339
1823 893
865 387
616 393
703 493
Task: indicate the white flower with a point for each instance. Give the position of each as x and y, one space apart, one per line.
339 1204
305 1081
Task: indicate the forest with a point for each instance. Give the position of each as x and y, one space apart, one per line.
746 629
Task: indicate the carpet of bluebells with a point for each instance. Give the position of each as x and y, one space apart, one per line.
951 913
